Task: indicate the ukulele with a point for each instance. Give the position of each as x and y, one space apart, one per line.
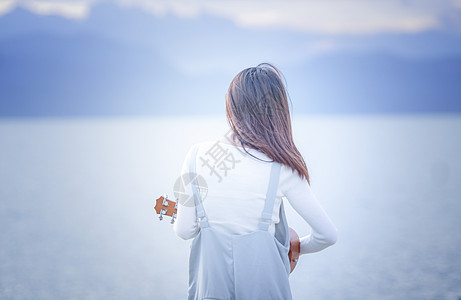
166 207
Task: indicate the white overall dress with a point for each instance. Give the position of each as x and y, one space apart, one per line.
247 266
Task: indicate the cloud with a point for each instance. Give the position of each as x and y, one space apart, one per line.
67 9
184 9
312 16
328 17
6 6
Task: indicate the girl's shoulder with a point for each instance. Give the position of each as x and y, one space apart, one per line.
290 179
221 147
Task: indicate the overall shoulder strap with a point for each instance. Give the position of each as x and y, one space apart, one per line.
266 216
201 215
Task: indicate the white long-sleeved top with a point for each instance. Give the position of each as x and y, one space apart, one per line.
233 186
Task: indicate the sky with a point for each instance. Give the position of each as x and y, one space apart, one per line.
324 17
128 57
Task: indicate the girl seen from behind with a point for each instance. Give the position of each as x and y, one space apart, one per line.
237 218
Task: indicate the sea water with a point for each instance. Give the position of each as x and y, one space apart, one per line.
77 197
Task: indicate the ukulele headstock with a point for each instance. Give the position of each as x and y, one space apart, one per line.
166 207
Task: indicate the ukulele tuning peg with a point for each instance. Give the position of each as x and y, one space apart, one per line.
162 212
173 218
165 203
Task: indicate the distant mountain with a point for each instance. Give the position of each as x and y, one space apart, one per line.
377 83
127 62
86 75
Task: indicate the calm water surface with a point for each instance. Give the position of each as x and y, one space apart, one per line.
77 221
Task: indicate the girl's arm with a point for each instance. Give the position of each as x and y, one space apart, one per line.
303 200
186 226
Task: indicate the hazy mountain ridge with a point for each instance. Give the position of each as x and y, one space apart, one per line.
373 83
125 61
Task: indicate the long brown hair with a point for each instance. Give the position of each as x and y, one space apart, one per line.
258 114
